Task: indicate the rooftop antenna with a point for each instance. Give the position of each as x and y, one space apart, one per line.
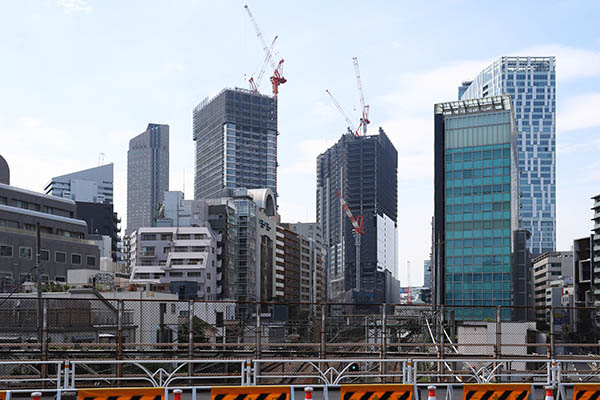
100 159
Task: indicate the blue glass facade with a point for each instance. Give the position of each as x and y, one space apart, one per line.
479 202
531 82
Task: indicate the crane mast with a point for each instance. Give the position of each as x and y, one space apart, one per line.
358 224
364 119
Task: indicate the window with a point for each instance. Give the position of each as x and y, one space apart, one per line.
60 279
45 255
76 259
60 257
91 261
176 274
25 252
148 236
6 250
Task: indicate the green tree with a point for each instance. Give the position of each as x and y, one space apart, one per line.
200 331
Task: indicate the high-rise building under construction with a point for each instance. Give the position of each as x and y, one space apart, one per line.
363 170
236 142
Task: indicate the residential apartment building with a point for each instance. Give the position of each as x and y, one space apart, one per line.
548 268
531 83
476 205
183 260
595 272
312 245
583 293
363 169
147 176
236 142
92 185
287 266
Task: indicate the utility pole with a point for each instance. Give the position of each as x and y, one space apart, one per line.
38 256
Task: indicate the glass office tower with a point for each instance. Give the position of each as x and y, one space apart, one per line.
476 207
531 82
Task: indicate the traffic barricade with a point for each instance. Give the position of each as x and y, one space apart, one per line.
496 391
376 392
250 393
586 391
121 394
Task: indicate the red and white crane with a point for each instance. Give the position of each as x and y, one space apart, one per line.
364 119
351 127
255 83
270 56
359 230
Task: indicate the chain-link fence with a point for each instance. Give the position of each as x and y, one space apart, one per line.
154 328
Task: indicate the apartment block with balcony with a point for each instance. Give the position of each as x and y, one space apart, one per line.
182 260
595 273
547 269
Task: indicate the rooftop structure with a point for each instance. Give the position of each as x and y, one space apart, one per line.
93 185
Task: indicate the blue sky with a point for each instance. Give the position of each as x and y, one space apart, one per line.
79 78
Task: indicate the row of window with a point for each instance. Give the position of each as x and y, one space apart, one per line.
169 236
482 242
59 256
478 277
477 251
479 260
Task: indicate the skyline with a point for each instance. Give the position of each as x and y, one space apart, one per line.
118 91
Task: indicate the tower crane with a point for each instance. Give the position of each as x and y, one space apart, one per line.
364 120
351 127
359 230
255 83
271 55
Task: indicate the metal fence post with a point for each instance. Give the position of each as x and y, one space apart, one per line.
258 344
258 332
383 340
190 337
441 339
498 331
552 349
44 338
323 332
119 349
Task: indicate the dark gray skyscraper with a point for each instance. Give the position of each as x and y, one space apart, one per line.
364 170
147 175
236 142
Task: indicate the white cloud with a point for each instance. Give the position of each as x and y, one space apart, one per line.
419 91
571 62
579 112
75 5
305 159
409 106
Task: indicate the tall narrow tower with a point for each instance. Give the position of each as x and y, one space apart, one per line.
531 83
147 175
